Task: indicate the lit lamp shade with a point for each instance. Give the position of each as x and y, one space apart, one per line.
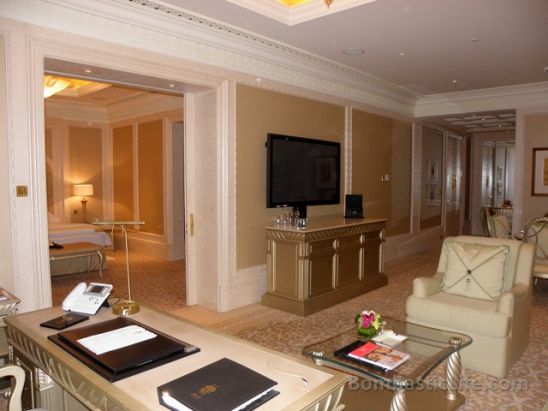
82 190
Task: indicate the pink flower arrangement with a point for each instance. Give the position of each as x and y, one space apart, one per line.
369 320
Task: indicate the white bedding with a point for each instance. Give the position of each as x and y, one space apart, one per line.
66 233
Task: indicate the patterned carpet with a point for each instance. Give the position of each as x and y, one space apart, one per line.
157 283
290 333
161 284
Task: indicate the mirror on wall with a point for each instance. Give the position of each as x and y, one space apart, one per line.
497 173
431 181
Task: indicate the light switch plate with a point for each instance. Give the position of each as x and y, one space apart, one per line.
22 191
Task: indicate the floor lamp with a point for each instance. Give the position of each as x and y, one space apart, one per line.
129 306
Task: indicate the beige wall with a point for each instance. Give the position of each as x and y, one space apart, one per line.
151 176
86 166
536 136
122 172
259 112
382 146
432 149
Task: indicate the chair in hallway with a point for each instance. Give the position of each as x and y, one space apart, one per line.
495 223
536 232
482 288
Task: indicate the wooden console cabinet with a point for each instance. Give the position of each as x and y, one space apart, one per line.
332 260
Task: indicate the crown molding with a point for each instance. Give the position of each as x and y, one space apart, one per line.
490 99
135 107
156 27
75 111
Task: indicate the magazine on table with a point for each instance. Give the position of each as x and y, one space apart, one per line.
369 353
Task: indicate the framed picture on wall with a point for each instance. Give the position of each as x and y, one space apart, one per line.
432 168
540 172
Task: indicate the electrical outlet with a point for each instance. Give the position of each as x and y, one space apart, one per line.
75 212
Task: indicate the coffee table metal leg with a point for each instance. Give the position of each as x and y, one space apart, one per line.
453 370
398 401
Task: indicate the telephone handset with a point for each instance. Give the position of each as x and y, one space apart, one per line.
87 299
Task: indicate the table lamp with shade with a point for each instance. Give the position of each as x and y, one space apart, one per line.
129 306
83 190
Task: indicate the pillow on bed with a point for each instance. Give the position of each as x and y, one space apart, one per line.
52 218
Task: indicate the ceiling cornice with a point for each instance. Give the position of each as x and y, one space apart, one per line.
157 27
161 28
520 96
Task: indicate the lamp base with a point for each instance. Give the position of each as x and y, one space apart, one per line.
125 308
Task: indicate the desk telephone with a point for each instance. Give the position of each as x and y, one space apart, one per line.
87 299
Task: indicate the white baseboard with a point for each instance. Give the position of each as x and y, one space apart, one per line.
407 244
152 245
246 287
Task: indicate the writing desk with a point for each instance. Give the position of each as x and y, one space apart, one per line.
63 382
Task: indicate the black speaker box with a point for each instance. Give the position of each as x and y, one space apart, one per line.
353 206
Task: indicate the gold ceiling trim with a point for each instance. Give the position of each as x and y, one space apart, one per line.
70 87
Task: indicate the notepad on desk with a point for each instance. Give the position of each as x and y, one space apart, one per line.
224 385
116 339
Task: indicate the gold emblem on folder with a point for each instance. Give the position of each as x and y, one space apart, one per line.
205 390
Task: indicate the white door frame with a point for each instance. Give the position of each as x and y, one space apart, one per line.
27 54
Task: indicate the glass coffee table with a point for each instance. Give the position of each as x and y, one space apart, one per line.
427 348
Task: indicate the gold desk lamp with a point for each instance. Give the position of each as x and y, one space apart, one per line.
129 306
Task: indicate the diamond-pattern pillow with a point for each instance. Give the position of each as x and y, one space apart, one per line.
474 270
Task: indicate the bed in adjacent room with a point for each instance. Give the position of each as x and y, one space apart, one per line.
70 233
65 233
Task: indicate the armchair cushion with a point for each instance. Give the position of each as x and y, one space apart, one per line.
474 270
456 312
499 226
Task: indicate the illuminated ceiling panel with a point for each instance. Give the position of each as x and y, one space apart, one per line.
293 12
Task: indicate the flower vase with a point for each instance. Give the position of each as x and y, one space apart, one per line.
368 332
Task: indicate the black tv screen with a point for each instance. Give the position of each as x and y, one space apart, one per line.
302 171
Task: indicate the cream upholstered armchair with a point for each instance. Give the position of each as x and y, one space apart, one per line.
482 288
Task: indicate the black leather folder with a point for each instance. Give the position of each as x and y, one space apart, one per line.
220 386
127 361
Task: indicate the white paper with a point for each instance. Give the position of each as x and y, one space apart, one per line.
389 338
116 339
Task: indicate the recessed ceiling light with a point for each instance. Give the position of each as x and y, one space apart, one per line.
353 51
87 70
259 79
454 81
546 69
171 85
474 39
402 53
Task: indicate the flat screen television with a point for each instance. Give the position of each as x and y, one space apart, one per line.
302 172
